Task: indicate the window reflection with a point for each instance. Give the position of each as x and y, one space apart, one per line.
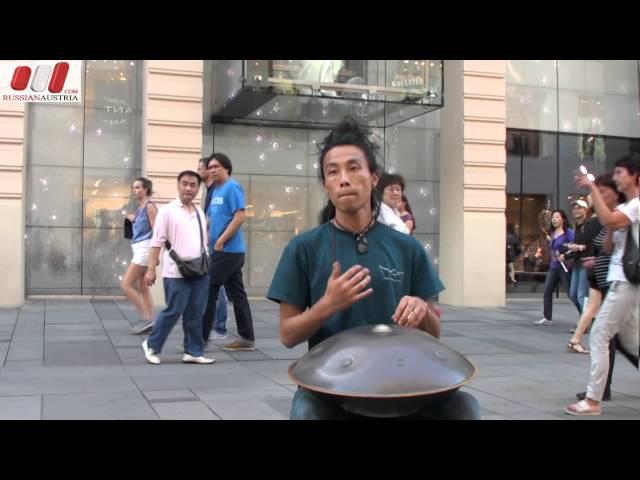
540 171
79 168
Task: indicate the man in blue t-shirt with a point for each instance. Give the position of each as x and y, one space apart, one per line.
226 214
220 324
353 270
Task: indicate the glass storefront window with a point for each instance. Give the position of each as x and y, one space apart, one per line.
278 168
540 178
588 97
318 93
79 168
562 114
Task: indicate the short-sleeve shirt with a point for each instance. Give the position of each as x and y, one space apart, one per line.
226 200
180 226
398 263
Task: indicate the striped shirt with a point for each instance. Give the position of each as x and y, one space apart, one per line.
601 266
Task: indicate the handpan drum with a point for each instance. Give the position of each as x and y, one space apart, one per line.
383 370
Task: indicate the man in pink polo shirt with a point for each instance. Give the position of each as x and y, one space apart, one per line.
184 225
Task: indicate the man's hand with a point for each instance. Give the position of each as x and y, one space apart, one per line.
346 289
150 276
561 258
219 246
411 312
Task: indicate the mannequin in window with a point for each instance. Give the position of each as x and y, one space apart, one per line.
544 218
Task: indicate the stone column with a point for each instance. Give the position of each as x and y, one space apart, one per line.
473 183
172 125
12 212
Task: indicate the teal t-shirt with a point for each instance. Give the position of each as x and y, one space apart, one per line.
226 200
398 263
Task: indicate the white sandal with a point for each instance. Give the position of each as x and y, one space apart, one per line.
582 408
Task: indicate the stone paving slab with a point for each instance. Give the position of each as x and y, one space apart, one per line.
117 324
4 349
107 310
80 353
97 406
266 403
471 346
192 410
22 363
255 355
21 407
76 338
169 395
126 340
30 380
26 348
284 353
274 370
77 359
73 328
9 314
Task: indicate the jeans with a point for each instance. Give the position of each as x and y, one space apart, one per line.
220 324
554 276
226 269
308 405
189 299
579 288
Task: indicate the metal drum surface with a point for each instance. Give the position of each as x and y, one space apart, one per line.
383 370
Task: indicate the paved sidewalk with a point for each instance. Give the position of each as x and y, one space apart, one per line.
75 359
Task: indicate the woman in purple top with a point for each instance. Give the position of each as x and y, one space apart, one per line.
558 270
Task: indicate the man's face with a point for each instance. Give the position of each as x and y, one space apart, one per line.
203 171
347 179
187 188
579 213
218 173
392 195
624 180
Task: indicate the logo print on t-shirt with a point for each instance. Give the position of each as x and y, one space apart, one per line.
391 274
217 201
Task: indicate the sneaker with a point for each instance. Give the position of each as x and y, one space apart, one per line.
219 336
150 354
141 327
240 346
605 398
186 358
543 321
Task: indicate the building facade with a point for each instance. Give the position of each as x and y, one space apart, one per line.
562 114
65 170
